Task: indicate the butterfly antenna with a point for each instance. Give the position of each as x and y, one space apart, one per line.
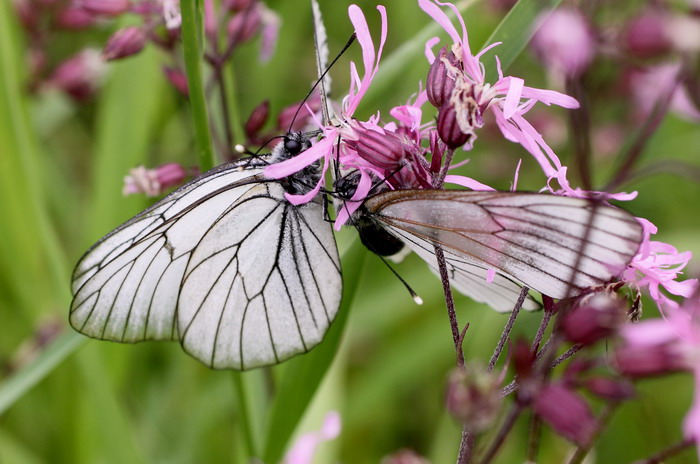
323 74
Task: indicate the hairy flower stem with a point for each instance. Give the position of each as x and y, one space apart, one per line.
605 416
662 456
580 126
446 162
502 434
507 329
652 123
534 438
546 317
465 447
450 304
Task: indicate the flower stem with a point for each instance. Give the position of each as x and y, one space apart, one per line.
507 329
663 455
603 420
502 434
580 126
245 422
193 67
450 304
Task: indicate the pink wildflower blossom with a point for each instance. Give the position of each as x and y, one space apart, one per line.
303 450
358 88
648 86
669 344
152 182
508 99
657 266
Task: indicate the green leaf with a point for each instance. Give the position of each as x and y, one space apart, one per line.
515 31
303 374
193 67
21 382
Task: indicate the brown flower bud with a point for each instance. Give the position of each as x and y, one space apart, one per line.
439 83
125 42
448 127
473 397
596 318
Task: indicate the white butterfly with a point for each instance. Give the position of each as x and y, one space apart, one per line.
225 265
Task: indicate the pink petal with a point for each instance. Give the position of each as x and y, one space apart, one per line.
428 50
299 162
515 89
467 182
649 332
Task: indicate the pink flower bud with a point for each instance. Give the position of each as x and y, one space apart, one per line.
210 20
473 397
382 150
105 7
81 75
27 14
638 361
564 41
609 389
125 42
645 36
285 119
439 83
152 182
75 18
404 456
449 129
237 5
593 319
257 119
244 25
178 79
566 412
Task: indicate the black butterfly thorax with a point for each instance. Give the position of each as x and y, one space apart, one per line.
372 234
303 181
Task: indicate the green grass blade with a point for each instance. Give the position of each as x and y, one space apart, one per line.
515 31
21 382
303 374
193 65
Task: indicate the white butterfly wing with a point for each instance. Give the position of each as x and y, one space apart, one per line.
533 239
468 277
130 286
263 285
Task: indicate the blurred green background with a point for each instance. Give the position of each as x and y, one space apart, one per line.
61 172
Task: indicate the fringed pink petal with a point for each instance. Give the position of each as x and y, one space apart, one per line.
467 182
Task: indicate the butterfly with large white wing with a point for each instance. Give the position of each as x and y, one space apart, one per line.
496 242
241 277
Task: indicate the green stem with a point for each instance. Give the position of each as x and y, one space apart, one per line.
193 66
245 420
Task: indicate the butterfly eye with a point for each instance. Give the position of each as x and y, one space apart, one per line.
293 147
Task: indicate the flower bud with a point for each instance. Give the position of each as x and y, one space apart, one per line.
125 42
645 36
593 319
439 83
257 119
178 79
638 361
449 130
383 150
81 75
405 456
564 41
237 5
74 18
27 14
609 389
244 25
105 7
566 412
152 182
473 397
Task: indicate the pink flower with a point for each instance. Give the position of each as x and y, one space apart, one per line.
650 85
125 42
564 41
303 450
80 75
508 99
668 344
152 182
657 266
358 87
